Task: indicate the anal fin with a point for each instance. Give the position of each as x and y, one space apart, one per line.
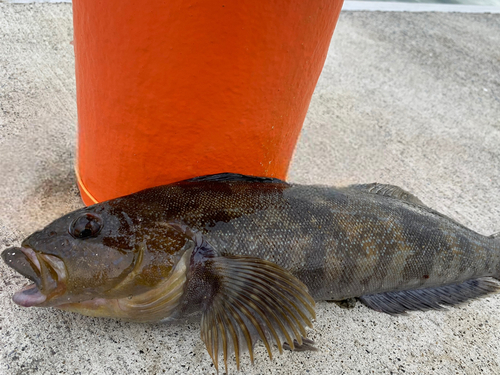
429 298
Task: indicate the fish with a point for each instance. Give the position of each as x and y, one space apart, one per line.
251 256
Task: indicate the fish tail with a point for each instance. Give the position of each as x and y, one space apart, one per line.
496 237
435 298
496 241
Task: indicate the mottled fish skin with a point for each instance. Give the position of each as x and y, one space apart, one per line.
250 254
341 243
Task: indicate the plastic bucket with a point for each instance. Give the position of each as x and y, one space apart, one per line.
168 90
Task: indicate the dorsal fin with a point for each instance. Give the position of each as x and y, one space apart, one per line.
226 177
388 191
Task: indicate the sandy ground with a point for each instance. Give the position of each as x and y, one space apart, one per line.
411 99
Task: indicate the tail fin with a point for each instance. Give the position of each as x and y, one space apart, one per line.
496 239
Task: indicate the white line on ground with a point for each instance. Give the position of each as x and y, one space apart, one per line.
354 5
417 7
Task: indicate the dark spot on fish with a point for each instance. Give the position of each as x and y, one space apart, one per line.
427 242
219 217
118 242
426 276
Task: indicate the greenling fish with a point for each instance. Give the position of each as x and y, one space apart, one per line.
251 255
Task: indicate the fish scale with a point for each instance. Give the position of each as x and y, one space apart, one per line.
250 254
375 244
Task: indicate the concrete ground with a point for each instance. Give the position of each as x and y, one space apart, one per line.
411 99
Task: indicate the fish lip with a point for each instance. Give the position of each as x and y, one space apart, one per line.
32 258
47 272
24 261
29 296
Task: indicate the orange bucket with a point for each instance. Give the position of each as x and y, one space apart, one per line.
168 90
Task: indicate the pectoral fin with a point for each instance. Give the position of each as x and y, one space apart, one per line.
256 300
244 299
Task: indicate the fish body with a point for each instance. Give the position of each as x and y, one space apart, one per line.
341 243
250 254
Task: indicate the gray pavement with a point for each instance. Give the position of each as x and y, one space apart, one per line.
411 99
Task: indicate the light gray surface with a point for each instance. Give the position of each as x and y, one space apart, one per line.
407 99
487 6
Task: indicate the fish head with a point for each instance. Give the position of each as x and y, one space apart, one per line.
87 258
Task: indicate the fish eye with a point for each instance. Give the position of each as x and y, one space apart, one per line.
85 226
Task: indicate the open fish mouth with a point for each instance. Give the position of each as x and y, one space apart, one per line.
47 272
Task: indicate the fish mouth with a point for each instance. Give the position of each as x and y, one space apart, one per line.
47 272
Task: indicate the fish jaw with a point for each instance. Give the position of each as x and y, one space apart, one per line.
47 272
160 303
29 296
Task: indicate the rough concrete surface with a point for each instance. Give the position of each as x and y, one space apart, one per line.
411 99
